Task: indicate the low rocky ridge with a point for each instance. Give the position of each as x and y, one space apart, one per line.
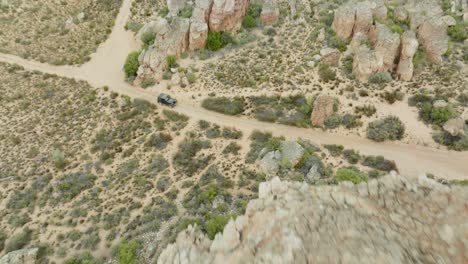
390 220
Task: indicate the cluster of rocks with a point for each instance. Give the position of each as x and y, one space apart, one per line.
390 220
358 21
175 35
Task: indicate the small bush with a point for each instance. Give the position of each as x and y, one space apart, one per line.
339 43
232 148
367 110
148 39
127 252
249 22
335 150
145 83
435 115
159 141
71 185
59 159
458 32
389 128
379 163
326 73
351 156
216 224
218 40
131 64
85 258
333 122
380 78
350 174
351 121
225 105
171 61
231 133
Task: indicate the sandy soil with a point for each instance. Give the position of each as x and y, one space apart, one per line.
105 68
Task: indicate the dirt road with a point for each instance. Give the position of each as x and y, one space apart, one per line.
105 68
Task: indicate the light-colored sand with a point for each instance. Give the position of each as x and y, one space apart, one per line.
105 68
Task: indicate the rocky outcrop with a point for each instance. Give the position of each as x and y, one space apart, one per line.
365 63
289 154
343 22
330 56
323 109
386 46
198 29
270 12
433 37
22 256
455 126
355 19
391 220
172 38
409 46
227 15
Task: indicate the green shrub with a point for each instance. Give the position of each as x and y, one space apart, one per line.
367 110
351 121
232 148
333 121
351 156
339 43
435 115
59 159
249 22
71 185
379 163
326 73
85 258
391 97
458 143
127 252
19 241
133 26
148 39
218 40
131 64
186 12
389 128
335 150
350 174
459 31
145 83
420 59
171 61
224 105
159 141
231 133
216 224
380 78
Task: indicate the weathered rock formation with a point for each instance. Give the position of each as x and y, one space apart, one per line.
358 18
270 12
386 46
455 126
227 15
175 35
22 256
390 220
330 56
365 63
323 109
409 46
172 38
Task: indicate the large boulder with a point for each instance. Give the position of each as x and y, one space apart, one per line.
323 109
292 152
386 45
172 38
366 63
270 12
364 17
420 10
22 256
227 15
455 126
270 162
330 56
409 46
204 7
433 37
343 21
198 30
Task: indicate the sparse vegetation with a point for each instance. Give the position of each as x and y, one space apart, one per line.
225 105
389 128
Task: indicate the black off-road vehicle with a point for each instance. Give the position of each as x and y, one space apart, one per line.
167 100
